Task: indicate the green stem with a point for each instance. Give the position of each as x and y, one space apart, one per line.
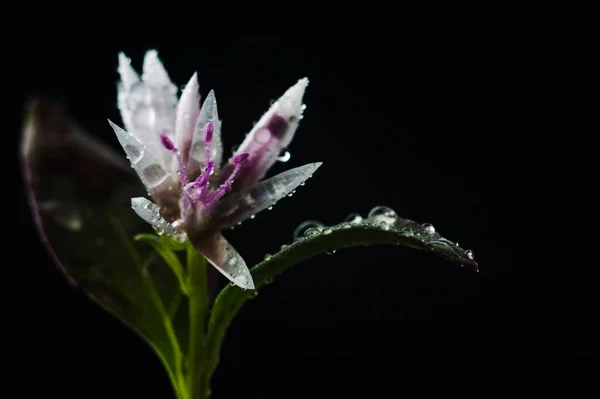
173 365
197 384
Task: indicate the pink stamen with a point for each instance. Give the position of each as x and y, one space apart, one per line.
224 188
168 144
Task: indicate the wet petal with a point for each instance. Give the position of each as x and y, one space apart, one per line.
152 173
208 113
150 213
148 107
243 204
225 259
188 110
273 133
129 76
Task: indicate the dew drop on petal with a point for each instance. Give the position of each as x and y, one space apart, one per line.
303 228
268 257
328 230
270 208
241 281
383 214
353 218
262 135
469 254
428 227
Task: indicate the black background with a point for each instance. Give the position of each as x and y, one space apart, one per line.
473 118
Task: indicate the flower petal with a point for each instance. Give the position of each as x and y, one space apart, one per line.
241 205
129 76
188 110
150 213
273 132
148 106
154 176
208 113
219 252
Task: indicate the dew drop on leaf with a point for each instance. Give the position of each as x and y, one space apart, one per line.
383 214
428 227
353 218
303 228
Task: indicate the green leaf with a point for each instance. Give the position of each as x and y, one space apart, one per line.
80 191
165 250
402 232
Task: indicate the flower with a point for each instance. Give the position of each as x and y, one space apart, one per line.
175 148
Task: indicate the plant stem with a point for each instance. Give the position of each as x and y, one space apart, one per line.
197 385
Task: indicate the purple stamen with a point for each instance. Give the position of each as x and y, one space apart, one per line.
224 188
168 144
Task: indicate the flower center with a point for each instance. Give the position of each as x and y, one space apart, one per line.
198 191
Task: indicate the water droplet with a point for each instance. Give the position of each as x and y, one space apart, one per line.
283 247
333 251
134 153
290 194
241 280
384 226
303 183
383 214
154 175
303 228
328 230
268 257
270 208
262 135
469 254
252 216
285 157
353 218
232 261
428 227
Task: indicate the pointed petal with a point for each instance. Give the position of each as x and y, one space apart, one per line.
208 113
150 213
188 110
148 107
219 252
154 72
273 132
154 176
129 76
241 205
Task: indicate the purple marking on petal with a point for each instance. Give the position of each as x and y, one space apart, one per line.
166 142
278 125
271 134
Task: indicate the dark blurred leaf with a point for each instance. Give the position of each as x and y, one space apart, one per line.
80 191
